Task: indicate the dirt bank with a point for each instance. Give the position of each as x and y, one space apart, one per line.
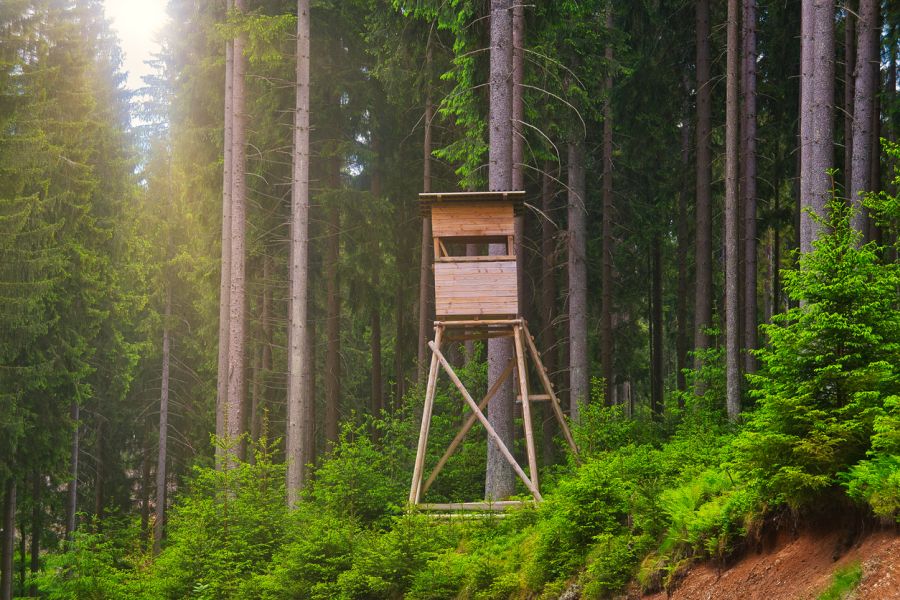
798 567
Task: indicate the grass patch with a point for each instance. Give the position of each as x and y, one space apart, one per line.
843 582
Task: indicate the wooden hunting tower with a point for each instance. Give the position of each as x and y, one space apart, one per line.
476 297
473 287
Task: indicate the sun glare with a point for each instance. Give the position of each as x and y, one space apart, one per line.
137 23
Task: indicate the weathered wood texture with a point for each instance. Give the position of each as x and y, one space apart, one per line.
476 289
469 219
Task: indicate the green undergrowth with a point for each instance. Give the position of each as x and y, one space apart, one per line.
843 582
648 497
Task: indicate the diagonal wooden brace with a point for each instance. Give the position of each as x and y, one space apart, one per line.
464 430
492 433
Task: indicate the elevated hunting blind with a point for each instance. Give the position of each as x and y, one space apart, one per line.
476 297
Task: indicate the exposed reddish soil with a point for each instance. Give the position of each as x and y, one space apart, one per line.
798 567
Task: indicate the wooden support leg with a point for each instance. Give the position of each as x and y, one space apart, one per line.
467 426
554 401
492 433
416 488
526 407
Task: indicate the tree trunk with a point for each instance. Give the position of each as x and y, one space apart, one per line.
236 339
748 180
606 304
579 375
682 342
225 267
333 318
427 250
868 61
99 470
37 488
849 66
732 334
500 479
377 389
657 371
518 149
300 405
72 486
145 491
816 120
8 543
263 358
161 458
703 245
548 304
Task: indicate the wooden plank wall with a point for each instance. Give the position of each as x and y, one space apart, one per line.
476 289
465 219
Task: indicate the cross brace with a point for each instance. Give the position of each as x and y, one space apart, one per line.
518 330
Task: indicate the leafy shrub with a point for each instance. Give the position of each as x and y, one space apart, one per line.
830 365
224 530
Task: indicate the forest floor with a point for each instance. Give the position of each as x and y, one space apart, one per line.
798 566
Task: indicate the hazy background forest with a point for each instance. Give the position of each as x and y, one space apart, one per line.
216 290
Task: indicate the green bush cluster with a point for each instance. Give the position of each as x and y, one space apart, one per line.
648 498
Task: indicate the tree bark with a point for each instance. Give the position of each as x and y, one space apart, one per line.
427 250
518 149
225 267
732 334
377 388
300 405
849 91
579 375
161 457
703 245
8 543
99 470
657 370
682 342
748 181
606 304
867 62
37 489
548 304
72 486
145 491
816 119
234 418
333 317
500 480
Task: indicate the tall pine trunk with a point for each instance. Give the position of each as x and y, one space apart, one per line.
548 303
748 180
225 266
72 484
518 149
427 249
500 478
657 370
866 78
7 542
161 457
37 509
234 417
579 376
377 388
703 290
606 284
732 113
816 118
333 316
682 341
300 403
851 9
